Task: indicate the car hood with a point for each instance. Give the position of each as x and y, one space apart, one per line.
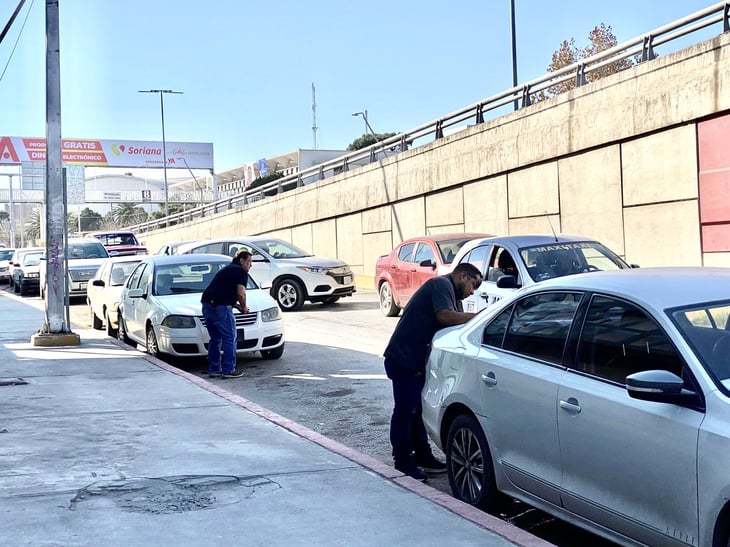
85 263
311 261
189 304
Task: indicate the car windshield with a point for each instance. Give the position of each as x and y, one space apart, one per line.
86 249
280 249
707 330
32 259
449 248
5 254
117 239
559 259
173 279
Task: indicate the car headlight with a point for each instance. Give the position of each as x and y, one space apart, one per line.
32 275
313 269
271 314
178 322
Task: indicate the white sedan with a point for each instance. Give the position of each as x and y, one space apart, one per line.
160 308
602 398
104 290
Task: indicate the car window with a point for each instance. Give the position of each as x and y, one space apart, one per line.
501 263
210 248
32 259
424 252
707 330
120 272
478 257
86 249
144 279
540 323
494 332
619 339
405 253
134 280
255 253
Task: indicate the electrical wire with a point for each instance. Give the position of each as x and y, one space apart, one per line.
15 45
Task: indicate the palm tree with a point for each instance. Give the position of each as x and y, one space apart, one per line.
128 213
33 225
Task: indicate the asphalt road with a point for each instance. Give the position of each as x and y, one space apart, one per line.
331 380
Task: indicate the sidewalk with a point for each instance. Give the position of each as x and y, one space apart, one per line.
103 445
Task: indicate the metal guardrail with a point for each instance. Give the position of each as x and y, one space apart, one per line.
640 49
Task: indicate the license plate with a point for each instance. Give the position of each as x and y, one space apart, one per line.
240 334
347 280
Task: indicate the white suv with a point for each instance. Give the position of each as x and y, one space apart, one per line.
293 275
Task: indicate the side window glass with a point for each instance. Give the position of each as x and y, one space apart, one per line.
501 264
144 280
405 254
619 339
540 325
424 252
212 248
478 257
136 274
494 332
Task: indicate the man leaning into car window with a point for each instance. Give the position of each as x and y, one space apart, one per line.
437 304
226 291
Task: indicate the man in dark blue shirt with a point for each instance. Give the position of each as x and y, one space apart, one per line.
226 291
437 304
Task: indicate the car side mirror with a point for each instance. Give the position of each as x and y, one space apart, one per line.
135 293
98 283
654 385
508 282
259 258
427 264
634 265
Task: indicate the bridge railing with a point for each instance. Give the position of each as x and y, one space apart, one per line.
639 49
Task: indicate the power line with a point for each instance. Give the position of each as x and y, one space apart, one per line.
7 29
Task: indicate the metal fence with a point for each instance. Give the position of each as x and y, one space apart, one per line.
639 49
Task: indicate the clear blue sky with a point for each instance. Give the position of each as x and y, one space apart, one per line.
246 68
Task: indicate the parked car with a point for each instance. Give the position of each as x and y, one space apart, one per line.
17 259
293 275
84 256
26 272
160 308
526 259
5 255
411 263
171 248
601 398
105 289
120 243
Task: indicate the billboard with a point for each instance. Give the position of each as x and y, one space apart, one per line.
110 153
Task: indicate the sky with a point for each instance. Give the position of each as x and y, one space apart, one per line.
246 68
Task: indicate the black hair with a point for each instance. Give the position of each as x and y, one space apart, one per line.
469 269
241 255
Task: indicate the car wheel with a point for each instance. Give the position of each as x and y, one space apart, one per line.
275 353
122 331
96 323
387 304
330 300
110 331
151 345
289 294
469 464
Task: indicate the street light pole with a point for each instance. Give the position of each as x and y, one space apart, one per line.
11 205
367 123
514 47
164 149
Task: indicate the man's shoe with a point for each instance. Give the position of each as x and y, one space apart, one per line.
215 374
233 374
431 465
414 471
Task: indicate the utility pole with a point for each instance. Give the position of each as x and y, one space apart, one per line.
314 118
11 204
514 48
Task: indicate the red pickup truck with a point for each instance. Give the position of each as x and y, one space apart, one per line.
120 243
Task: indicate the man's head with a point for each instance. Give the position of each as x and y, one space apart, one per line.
243 258
467 278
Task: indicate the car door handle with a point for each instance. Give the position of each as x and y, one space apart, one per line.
571 405
483 295
489 379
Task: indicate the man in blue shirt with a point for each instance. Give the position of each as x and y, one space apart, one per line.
226 291
437 304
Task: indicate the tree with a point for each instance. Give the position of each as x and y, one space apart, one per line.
128 213
600 39
90 220
368 139
33 225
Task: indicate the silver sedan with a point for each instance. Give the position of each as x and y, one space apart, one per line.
602 398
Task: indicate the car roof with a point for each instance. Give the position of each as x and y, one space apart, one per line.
448 237
528 240
185 259
660 287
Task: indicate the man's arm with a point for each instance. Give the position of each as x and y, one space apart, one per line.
449 318
241 297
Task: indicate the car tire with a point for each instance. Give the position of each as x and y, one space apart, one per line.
110 331
469 465
270 354
387 303
122 331
151 344
96 323
289 294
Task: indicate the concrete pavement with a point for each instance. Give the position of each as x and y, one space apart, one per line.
102 444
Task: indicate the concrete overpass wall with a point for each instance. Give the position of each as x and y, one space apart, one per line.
616 160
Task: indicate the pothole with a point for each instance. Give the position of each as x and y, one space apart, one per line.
177 494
